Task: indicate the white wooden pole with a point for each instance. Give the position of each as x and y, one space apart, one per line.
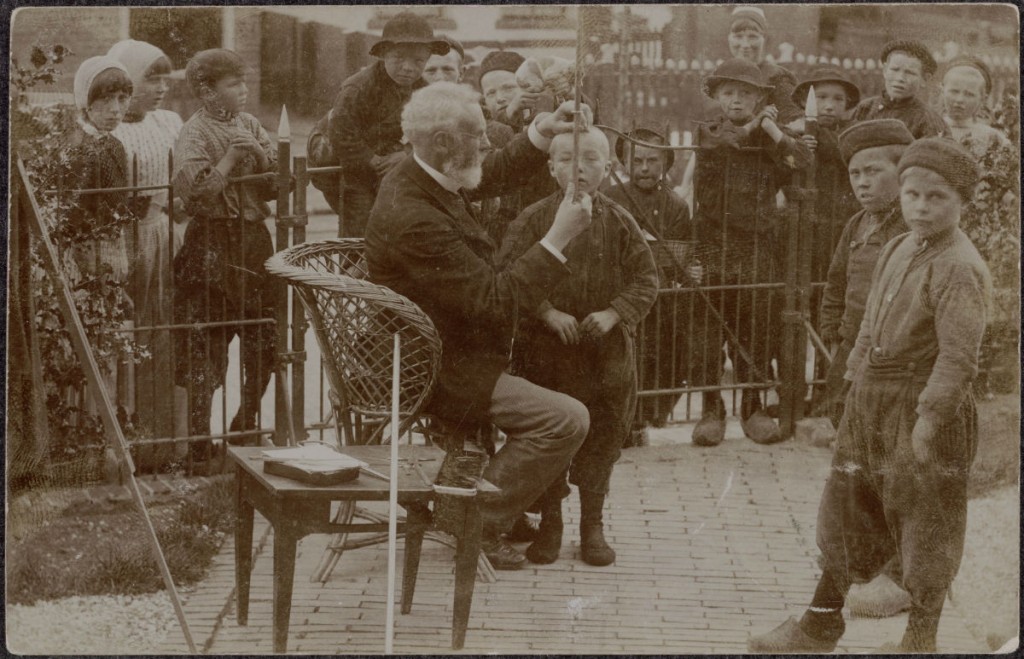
389 629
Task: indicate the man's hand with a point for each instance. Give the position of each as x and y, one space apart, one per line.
384 164
523 100
572 218
922 437
599 323
561 120
563 325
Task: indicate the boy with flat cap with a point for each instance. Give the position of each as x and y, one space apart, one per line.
364 127
907 439
871 150
448 67
906 67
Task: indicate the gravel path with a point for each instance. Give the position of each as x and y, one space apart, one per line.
114 624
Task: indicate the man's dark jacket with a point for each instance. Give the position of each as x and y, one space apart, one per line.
423 242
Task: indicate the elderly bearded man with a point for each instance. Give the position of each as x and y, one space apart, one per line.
424 242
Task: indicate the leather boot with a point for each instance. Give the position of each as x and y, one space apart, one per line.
594 548
548 543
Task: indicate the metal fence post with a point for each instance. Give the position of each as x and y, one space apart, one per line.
281 213
299 219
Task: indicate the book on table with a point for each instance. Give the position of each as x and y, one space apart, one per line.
313 464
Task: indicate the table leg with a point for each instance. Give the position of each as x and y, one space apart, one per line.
466 556
285 540
243 548
415 527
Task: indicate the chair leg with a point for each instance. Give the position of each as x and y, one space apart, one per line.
465 572
337 545
416 527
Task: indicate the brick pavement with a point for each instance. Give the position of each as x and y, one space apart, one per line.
713 545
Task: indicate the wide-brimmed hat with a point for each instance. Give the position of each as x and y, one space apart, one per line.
823 74
735 70
644 135
407 27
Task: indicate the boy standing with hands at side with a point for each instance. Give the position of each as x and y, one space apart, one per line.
219 273
580 340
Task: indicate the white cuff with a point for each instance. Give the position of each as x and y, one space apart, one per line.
554 250
536 138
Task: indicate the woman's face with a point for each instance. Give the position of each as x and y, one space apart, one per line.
747 43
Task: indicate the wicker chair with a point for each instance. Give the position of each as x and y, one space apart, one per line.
354 322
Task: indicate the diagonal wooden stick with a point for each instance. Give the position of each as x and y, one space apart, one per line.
92 374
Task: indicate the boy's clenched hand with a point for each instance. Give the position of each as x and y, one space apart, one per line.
599 323
563 325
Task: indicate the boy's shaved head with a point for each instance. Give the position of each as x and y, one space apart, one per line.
564 140
594 160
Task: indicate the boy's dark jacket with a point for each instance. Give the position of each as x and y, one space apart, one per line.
735 186
366 121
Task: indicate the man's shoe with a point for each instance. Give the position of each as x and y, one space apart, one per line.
761 428
545 549
788 637
522 531
502 555
880 598
710 430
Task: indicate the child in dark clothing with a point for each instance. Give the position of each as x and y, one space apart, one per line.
364 127
906 66
219 273
95 223
580 340
97 159
736 224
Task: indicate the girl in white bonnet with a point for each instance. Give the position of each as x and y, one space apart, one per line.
148 134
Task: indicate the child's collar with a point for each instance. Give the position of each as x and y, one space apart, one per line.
89 129
219 113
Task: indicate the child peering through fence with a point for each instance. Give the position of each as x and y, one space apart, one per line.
744 161
95 221
219 273
148 134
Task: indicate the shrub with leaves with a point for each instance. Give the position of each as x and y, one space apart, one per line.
991 220
102 301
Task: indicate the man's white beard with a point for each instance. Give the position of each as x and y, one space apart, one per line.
468 178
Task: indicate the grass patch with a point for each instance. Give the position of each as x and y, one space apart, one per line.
106 550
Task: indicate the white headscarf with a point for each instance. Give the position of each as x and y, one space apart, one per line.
87 73
137 57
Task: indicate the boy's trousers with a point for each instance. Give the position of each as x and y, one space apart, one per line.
219 277
601 374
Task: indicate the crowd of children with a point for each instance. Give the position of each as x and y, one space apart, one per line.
589 338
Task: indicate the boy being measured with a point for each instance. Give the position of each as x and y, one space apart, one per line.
580 340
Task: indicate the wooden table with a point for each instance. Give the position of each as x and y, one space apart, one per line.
296 510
